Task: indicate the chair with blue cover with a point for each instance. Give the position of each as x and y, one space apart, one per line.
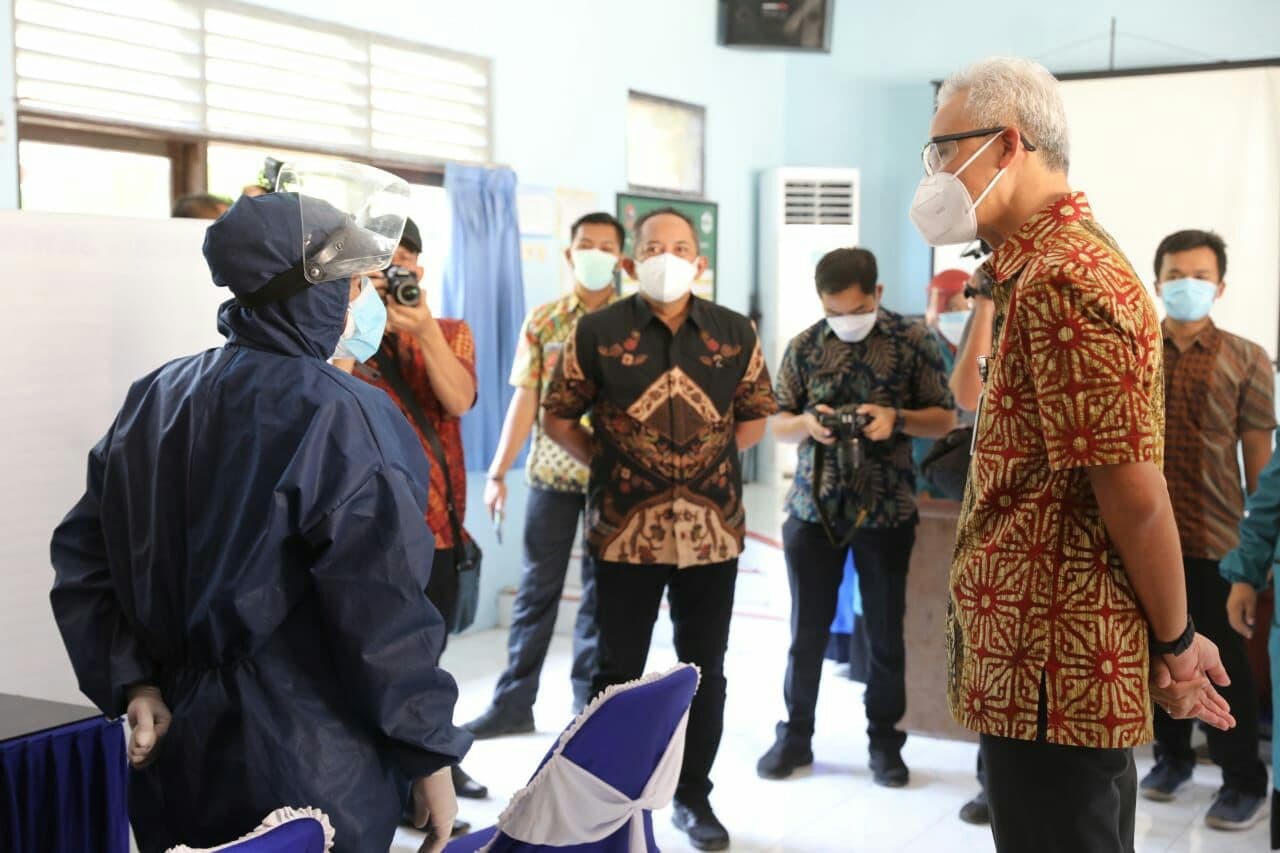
286 830
597 788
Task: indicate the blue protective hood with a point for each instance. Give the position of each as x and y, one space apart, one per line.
254 241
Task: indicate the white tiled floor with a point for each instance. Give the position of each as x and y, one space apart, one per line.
833 808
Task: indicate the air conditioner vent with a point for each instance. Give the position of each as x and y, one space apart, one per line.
818 203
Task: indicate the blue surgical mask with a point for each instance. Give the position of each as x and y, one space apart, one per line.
366 323
1188 299
593 268
951 325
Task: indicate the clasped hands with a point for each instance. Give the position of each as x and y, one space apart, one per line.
1184 685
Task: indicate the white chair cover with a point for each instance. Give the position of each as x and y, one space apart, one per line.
565 805
277 818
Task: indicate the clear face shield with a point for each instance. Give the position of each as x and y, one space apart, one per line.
352 216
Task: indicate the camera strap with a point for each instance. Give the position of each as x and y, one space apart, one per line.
828 526
389 363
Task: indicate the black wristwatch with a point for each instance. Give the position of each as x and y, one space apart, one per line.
899 422
1175 647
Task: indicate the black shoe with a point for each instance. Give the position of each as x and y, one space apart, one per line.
493 723
466 787
976 811
888 769
1165 780
700 824
787 755
1235 810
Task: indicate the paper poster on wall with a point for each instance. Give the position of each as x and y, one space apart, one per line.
571 205
706 219
539 254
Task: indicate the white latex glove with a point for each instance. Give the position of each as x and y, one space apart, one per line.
149 719
435 803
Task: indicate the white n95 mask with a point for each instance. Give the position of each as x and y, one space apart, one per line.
665 278
942 211
852 328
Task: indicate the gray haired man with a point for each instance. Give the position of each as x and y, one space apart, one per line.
1068 609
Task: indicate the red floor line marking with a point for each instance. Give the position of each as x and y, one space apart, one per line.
760 537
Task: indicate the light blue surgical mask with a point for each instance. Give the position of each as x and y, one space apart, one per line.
593 268
366 323
951 325
1188 299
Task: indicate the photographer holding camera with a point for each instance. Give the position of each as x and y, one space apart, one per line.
853 390
427 366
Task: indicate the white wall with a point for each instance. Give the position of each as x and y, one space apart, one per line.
8 129
80 328
1223 175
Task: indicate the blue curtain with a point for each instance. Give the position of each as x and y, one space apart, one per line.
65 790
483 285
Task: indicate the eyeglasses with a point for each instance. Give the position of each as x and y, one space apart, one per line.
940 150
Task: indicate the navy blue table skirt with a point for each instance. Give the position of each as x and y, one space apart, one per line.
64 790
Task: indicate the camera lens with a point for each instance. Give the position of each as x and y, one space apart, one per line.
408 294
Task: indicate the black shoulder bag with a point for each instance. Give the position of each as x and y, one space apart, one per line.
466 553
946 466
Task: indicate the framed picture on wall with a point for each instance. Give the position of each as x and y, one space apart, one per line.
706 219
666 143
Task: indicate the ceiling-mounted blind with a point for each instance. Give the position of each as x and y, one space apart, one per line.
230 72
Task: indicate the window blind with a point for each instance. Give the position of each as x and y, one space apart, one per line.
226 71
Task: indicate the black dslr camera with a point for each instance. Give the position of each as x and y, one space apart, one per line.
402 286
847 427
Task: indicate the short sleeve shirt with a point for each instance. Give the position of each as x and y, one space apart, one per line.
1037 588
1220 388
665 482
900 365
413 366
542 341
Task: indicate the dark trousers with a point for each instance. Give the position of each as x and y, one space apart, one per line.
442 590
701 598
1049 798
550 526
815 568
1235 751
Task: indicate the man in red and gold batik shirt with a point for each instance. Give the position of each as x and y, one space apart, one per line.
1067 593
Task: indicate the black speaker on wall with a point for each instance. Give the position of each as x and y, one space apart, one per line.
777 24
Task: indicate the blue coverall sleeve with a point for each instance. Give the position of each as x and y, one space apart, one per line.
1259 530
375 553
102 644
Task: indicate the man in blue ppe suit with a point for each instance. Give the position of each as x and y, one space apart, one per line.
250 554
